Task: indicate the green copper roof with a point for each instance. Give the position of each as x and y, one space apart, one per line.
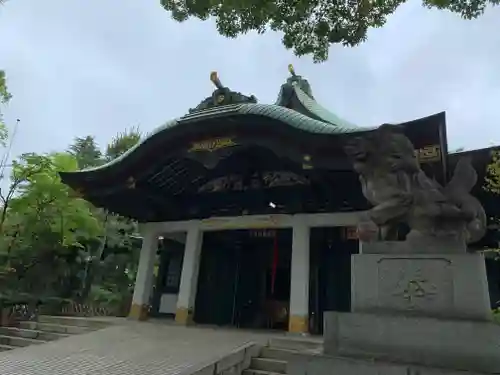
297 94
319 111
291 117
311 117
298 120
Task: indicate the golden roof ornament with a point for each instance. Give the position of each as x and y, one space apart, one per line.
291 70
215 80
222 96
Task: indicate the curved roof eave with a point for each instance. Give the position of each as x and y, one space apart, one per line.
288 116
131 150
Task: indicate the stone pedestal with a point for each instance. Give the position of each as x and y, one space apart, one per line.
416 308
452 344
440 285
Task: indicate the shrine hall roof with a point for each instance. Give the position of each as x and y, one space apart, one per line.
295 107
288 116
295 127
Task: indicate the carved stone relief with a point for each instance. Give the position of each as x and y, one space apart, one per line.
419 285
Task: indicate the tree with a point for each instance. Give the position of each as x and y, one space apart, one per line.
122 143
45 225
23 170
86 152
117 231
55 244
308 26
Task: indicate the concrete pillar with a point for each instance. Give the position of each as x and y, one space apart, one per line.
299 286
189 277
144 279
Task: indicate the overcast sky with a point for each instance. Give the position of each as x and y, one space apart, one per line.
99 66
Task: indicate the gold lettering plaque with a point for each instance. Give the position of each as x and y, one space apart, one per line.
211 145
351 233
428 154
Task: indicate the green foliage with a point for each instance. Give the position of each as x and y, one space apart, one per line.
122 143
493 174
52 203
4 134
492 185
86 152
309 27
102 296
5 96
40 206
44 225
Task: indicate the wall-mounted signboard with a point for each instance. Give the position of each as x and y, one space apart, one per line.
429 154
214 144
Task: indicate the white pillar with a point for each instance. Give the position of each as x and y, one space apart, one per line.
144 279
189 276
299 285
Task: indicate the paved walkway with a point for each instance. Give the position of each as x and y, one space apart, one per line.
125 349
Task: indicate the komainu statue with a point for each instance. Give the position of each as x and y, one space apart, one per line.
401 193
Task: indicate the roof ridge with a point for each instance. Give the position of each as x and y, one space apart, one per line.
319 111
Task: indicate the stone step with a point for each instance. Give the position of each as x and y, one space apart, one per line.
72 321
257 372
54 328
4 348
18 341
275 353
31 333
295 344
269 365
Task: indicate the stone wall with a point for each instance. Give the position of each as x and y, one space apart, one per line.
232 363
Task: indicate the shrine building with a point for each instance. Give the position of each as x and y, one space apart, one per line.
256 205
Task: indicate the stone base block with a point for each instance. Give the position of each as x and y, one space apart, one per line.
298 324
438 285
311 364
139 312
183 316
452 344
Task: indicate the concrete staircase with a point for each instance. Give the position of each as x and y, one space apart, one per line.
47 328
273 358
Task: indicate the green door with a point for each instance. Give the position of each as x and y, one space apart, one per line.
249 286
216 284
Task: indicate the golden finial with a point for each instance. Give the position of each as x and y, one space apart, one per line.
215 80
213 77
291 70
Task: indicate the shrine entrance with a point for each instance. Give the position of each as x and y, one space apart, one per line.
330 272
244 279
